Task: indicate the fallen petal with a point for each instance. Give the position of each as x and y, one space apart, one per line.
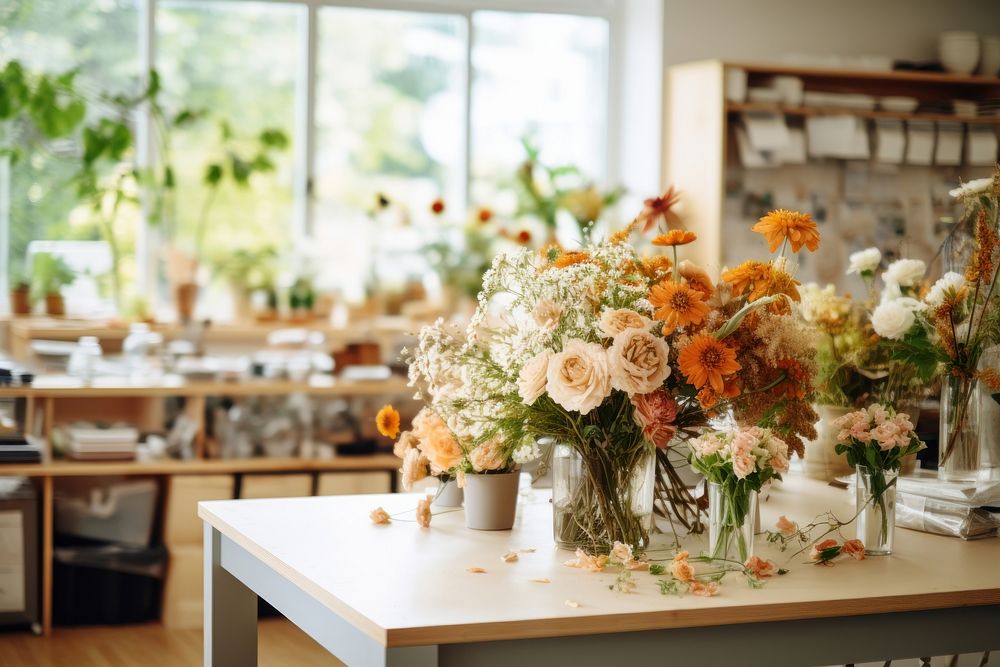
529 550
509 557
476 570
572 603
541 580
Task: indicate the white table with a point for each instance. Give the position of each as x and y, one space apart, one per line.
401 595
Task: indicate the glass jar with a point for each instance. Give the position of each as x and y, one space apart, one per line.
875 495
597 502
958 438
732 513
85 359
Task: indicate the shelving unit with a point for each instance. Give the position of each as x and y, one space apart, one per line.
56 397
699 151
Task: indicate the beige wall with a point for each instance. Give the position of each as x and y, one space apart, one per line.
766 29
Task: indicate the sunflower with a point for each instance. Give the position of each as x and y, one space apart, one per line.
387 421
705 360
675 237
677 305
797 228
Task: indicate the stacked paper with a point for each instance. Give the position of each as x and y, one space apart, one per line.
959 509
88 443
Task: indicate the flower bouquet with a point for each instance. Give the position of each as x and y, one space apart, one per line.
736 463
875 441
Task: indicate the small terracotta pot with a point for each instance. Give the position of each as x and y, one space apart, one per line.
20 301
185 298
55 305
491 500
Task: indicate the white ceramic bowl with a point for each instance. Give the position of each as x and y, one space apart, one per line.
958 36
899 104
960 58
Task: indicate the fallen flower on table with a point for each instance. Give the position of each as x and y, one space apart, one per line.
681 568
824 552
379 516
541 580
786 526
509 557
572 603
854 548
424 512
585 561
760 568
476 570
703 588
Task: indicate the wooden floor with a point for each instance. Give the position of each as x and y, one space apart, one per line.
280 644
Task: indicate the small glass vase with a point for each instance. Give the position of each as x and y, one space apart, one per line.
875 495
596 503
731 520
958 439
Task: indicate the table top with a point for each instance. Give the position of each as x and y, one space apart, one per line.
405 585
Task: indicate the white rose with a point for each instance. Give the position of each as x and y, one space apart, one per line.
531 379
638 361
892 320
546 314
949 282
905 272
864 261
615 321
972 188
578 378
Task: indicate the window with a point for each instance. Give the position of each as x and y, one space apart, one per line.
411 100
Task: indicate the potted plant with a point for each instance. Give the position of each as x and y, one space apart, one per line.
20 297
301 299
49 274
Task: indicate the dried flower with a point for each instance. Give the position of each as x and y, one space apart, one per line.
424 512
379 516
437 442
415 468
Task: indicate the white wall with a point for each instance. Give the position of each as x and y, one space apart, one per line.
761 30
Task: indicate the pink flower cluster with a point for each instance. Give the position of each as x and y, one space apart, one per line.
748 449
875 425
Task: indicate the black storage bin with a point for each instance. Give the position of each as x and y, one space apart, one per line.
107 585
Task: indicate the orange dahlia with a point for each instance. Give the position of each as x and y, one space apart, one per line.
746 275
706 360
675 237
387 421
677 305
797 228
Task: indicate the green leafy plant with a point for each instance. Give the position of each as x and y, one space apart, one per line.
49 274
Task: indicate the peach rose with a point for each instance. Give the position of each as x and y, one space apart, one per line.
585 561
379 516
743 464
531 380
546 314
786 526
578 378
615 321
621 553
854 548
406 441
488 456
638 361
424 512
704 589
437 442
681 568
414 468
760 568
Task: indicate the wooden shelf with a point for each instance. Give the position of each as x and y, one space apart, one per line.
750 107
943 78
63 468
63 386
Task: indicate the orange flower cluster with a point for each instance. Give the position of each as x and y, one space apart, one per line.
798 229
762 280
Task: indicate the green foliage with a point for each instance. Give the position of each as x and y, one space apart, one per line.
49 274
656 569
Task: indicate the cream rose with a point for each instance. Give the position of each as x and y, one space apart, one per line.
414 468
892 320
531 379
578 378
905 272
638 361
488 456
546 314
615 321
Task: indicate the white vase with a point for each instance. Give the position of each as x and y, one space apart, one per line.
448 495
491 500
821 459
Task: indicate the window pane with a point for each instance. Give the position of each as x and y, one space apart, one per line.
239 62
100 38
389 114
541 76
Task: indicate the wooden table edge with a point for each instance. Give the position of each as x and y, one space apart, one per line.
668 619
361 622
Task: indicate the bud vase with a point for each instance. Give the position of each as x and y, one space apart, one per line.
597 502
958 439
731 514
491 500
876 506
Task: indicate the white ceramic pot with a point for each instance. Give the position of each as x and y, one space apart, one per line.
989 56
448 495
491 500
821 460
959 51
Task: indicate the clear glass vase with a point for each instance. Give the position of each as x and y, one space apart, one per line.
597 502
731 517
875 495
958 438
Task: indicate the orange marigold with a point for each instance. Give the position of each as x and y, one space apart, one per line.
677 305
746 275
656 268
570 258
675 237
706 360
781 225
709 398
387 421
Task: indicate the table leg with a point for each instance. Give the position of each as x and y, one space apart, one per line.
230 612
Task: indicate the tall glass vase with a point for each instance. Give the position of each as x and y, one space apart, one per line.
958 441
875 495
731 516
597 502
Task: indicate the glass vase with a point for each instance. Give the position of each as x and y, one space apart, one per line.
731 516
958 438
875 495
597 502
